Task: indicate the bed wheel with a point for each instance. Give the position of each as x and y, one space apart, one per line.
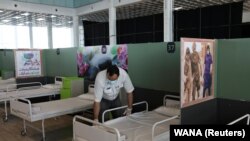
23 133
5 119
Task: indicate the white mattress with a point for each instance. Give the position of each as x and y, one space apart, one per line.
59 107
28 93
53 86
138 126
87 96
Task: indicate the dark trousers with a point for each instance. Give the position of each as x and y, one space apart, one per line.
109 104
204 91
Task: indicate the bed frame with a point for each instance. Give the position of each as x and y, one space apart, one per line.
36 90
108 132
24 109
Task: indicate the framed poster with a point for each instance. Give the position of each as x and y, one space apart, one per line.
28 63
197 70
91 60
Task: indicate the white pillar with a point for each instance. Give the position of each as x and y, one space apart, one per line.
112 23
76 30
81 34
31 35
168 20
50 34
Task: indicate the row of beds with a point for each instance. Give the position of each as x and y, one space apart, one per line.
140 126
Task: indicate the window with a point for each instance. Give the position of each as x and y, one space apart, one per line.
7 37
13 37
62 37
40 37
23 37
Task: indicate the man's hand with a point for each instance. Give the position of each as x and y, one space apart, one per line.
127 112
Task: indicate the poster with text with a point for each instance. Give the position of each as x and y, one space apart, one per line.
91 60
197 70
28 63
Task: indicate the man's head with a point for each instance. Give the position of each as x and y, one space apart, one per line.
187 51
194 47
113 72
208 49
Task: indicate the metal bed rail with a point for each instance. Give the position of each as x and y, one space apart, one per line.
160 122
170 96
97 124
247 116
58 80
38 84
123 107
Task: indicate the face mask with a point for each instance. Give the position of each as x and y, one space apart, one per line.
112 82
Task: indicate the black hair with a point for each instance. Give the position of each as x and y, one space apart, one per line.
113 69
208 47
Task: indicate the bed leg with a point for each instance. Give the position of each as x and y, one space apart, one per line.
24 130
43 130
5 117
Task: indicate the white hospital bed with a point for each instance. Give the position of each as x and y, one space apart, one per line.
142 126
38 90
5 83
24 109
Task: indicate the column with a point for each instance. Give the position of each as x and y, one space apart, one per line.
112 23
76 30
168 20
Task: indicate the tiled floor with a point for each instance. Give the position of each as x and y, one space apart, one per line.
59 129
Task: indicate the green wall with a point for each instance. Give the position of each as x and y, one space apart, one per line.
233 79
7 61
63 64
151 67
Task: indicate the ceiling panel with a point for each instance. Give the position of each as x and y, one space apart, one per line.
9 17
144 8
151 7
62 3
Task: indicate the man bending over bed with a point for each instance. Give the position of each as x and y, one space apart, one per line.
108 84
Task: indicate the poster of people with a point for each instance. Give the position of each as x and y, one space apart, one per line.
28 63
91 60
197 70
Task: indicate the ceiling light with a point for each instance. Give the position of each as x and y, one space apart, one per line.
25 14
58 24
69 21
5 21
17 17
1 11
178 8
20 24
52 16
40 19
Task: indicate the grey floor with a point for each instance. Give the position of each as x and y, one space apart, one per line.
59 129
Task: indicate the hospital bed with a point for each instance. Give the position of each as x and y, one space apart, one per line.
247 116
141 126
24 109
5 83
36 90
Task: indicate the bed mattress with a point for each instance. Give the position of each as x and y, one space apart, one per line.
50 109
138 126
28 93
